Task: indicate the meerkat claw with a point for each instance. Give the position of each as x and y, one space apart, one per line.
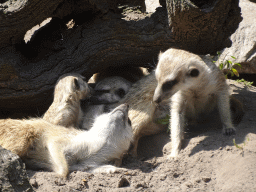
229 131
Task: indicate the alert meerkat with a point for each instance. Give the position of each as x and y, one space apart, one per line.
195 86
42 145
143 112
107 91
65 109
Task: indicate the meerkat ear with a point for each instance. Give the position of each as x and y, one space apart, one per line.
159 56
76 83
84 78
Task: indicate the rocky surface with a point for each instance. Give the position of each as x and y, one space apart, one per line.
13 176
244 40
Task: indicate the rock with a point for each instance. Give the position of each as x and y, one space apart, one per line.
206 179
243 40
123 182
13 176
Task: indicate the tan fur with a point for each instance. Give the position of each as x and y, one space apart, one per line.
196 86
19 135
65 109
142 111
43 145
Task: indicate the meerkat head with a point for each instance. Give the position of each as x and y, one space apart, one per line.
72 85
177 70
110 90
115 124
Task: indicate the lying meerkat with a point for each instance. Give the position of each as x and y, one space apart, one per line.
42 145
108 90
195 86
65 109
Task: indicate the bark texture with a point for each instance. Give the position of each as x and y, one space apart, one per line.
203 26
101 34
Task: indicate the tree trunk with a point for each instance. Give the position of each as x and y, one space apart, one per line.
101 35
17 17
203 26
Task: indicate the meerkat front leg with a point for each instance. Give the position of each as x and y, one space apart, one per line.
177 124
58 160
225 114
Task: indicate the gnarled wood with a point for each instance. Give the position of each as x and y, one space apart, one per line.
28 72
203 26
17 17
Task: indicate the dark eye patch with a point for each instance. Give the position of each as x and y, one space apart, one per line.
129 122
168 85
120 92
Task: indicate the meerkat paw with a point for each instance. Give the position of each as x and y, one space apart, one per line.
62 172
173 155
229 131
60 181
107 169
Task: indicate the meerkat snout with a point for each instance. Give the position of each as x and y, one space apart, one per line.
161 90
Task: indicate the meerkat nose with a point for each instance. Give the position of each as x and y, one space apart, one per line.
157 100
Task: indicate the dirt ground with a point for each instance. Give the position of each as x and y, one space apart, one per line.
208 160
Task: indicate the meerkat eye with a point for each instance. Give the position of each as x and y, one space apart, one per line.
194 72
120 92
76 83
168 85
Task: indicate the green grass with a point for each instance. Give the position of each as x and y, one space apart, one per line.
246 83
229 65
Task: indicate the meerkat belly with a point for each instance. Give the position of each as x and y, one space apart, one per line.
199 105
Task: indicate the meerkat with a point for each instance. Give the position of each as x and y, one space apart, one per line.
107 91
65 109
42 145
144 113
194 86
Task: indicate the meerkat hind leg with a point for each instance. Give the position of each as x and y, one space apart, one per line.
225 113
134 147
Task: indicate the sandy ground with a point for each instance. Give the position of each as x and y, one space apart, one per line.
208 160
